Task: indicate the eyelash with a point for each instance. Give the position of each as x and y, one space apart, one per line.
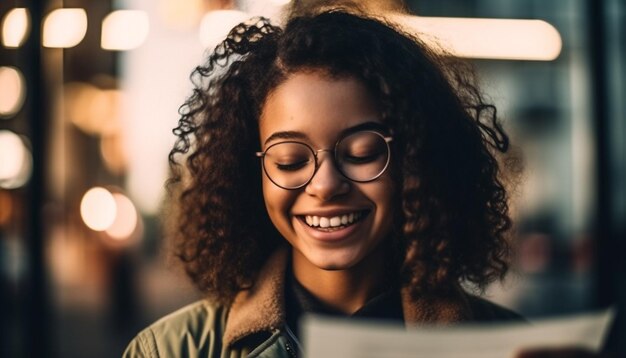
292 166
361 159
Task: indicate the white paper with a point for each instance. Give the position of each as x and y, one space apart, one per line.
325 337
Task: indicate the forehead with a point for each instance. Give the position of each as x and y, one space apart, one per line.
317 106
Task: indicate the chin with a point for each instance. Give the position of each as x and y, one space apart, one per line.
332 262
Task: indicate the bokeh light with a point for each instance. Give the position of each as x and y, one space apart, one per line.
504 39
16 161
64 28
12 92
91 109
126 218
215 25
98 209
15 27
112 151
125 30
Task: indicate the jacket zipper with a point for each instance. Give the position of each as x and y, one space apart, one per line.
291 338
290 351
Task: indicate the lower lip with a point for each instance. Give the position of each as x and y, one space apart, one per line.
332 236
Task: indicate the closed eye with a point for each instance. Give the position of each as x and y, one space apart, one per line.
289 167
361 159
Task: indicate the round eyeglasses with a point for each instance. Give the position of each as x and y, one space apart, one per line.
361 157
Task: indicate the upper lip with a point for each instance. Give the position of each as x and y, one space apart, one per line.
331 212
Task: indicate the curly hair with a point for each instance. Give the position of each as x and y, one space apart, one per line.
452 208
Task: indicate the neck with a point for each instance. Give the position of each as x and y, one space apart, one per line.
346 290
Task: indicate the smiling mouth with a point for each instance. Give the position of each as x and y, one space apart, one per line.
333 223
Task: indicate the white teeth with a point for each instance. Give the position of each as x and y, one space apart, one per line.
335 221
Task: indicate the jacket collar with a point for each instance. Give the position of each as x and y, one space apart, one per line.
262 307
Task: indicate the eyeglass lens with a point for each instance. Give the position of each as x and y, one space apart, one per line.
360 157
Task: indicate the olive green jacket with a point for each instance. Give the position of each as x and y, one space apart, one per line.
254 325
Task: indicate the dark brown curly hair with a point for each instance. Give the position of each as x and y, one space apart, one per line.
452 211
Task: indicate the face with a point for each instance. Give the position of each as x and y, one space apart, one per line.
318 110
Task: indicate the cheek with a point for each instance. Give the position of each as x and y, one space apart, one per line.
278 203
383 195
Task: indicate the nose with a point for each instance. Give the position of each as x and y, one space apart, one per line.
327 183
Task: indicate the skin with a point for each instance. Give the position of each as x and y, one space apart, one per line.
343 269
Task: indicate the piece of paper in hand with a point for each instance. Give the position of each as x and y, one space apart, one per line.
325 337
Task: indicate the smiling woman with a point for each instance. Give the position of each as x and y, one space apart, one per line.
331 258
335 166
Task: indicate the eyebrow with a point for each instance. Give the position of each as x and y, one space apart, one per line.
375 126
286 135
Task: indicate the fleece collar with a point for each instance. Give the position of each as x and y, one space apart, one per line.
262 307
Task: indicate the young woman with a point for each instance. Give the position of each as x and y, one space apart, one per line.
337 166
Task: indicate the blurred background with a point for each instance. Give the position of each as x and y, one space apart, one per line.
89 92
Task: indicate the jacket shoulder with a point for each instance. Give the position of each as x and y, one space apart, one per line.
487 311
189 331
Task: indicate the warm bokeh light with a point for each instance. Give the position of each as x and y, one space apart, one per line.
11 155
64 28
91 109
126 219
112 151
15 159
216 24
12 91
15 27
125 30
504 39
180 15
98 209
79 98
